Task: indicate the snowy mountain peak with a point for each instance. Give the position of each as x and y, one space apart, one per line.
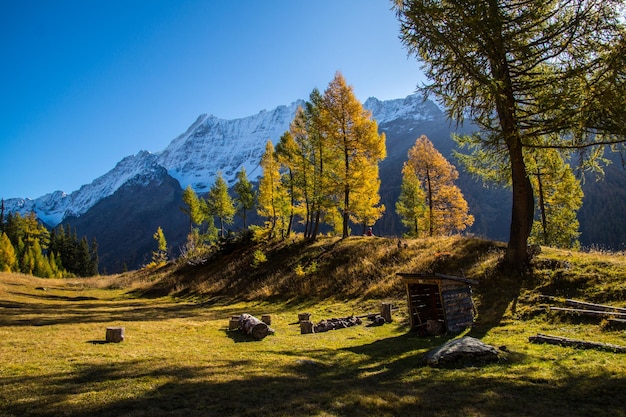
413 107
214 145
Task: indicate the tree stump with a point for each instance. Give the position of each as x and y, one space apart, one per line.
253 326
306 327
385 311
267 319
115 334
434 327
233 323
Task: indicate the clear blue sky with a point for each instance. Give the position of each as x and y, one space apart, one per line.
85 83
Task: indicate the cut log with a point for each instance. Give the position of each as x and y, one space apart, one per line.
434 327
583 344
253 326
306 327
304 316
115 334
385 311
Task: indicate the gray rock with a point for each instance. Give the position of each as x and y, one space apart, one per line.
464 351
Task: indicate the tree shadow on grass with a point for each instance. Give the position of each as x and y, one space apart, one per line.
324 386
72 311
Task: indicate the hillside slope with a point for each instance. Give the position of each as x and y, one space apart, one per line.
367 268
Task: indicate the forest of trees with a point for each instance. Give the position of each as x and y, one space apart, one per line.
29 247
324 172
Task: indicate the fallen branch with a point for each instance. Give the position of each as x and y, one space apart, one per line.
563 341
585 305
588 312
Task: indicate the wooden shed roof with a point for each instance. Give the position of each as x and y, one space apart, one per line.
439 276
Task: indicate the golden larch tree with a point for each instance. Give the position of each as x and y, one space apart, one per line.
352 135
446 210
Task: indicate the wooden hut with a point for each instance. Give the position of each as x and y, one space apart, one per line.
438 303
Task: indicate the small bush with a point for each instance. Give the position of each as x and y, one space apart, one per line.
259 258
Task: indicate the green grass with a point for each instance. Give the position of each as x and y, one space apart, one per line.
179 359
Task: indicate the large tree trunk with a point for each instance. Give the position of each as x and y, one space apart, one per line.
522 211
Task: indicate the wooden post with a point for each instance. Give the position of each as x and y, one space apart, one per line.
306 327
385 311
233 323
115 334
304 317
434 327
253 326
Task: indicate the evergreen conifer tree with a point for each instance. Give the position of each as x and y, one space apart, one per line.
559 197
159 256
273 200
193 207
352 136
220 204
245 197
411 202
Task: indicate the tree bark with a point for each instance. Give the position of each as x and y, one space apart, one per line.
522 211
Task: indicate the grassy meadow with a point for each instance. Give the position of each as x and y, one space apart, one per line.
179 358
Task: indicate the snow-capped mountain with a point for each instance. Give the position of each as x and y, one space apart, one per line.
411 108
52 208
209 145
214 145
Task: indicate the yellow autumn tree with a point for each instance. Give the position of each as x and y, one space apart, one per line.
446 211
366 206
559 197
8 259
351 135
411 202
273 200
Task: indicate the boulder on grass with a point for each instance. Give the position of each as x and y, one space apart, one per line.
466 351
